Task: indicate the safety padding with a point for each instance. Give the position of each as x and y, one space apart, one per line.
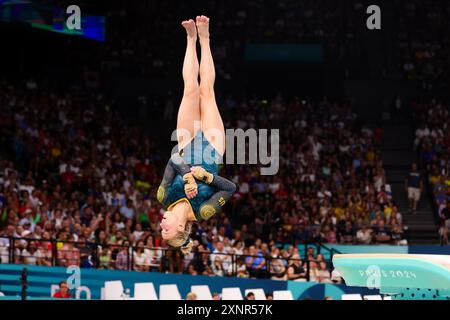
404 276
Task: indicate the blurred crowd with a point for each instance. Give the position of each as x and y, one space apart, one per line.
432 142
78 184
331 186
78 178
423 42
234 25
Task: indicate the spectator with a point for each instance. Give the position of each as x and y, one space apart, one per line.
256 263
152 254
191 270
347 235
295 270
140 260
364 235
127 211
445 214
167 262
105 258
32 255
218 253
68 255
323 274
396 231
414 187
122 258
444 232
382 235
240 268
63 292
250 296
191 296
277 266
217 267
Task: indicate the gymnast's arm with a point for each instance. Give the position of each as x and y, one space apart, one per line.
175 165
225 190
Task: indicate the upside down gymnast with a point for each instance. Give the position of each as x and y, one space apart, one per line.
191 189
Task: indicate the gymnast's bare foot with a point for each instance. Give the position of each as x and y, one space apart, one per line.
191 30
203 27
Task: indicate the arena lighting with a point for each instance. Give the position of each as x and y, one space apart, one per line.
401 276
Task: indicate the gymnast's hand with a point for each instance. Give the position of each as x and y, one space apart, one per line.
202 175
190 186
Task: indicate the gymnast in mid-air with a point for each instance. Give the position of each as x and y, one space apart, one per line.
191 189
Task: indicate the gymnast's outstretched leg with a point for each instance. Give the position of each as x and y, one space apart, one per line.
212 124
188 123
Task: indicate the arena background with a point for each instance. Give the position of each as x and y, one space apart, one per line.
376 101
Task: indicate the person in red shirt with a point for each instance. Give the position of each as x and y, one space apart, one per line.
143 167
63 292
67 177
281 193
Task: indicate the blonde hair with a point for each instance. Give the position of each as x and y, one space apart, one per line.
182 239
191 296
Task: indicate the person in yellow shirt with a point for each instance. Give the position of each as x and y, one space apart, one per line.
447 181
370 155
435 177
56 152
142 184
388 210
339 212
